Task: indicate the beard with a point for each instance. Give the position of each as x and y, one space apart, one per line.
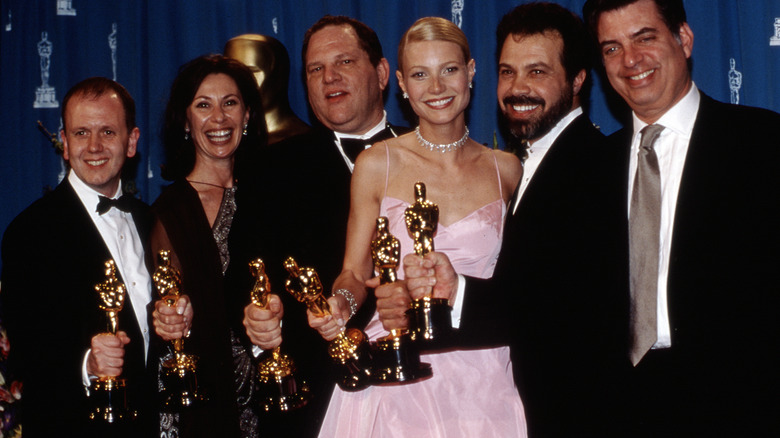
538 127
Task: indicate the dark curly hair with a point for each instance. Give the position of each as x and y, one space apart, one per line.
538 18
180 153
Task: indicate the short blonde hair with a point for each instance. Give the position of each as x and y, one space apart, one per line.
433 29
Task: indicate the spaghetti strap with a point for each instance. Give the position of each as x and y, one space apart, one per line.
498 173
387 170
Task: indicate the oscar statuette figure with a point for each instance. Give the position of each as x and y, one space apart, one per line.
430 319
179 371
350 349
396 357
110 393
279 390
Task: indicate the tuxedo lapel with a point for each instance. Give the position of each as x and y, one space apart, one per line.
83 233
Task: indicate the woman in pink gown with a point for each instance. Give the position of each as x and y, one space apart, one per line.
472 392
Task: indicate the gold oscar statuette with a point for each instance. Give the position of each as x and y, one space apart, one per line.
350 349
179 369
279 389
110 393
430 319
396 357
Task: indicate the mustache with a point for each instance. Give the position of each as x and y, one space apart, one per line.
523 100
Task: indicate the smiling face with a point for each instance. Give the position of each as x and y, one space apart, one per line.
645 62
532 91
344 89
96 140
216 118
436 77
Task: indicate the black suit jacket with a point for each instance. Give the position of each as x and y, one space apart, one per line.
293 200
720 376
53 256
557 296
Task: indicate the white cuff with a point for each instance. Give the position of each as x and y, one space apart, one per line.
457 304
86 379
256 351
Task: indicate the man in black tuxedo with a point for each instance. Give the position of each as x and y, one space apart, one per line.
705 362
54 254
297 202
557 295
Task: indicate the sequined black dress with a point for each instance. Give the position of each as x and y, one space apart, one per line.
225 369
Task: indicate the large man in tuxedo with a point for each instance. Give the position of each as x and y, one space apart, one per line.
298 200
557 295
705 363
54 254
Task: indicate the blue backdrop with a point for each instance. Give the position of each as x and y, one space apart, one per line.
46 46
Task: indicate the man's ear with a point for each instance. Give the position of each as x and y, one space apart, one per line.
383 73
65 151
686 39
576 84
132 142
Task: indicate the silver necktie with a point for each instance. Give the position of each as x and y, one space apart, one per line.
644 236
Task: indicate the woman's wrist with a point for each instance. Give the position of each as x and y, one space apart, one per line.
350 297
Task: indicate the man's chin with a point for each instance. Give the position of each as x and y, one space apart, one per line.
519 130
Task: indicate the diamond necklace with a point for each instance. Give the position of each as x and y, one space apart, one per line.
441 147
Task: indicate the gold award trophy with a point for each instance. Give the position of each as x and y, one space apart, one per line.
350 349
110 393
279 389
179 376
396 359
430 319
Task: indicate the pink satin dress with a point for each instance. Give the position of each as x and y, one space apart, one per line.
472 392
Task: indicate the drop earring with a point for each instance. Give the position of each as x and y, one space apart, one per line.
186 134
246 125
406 95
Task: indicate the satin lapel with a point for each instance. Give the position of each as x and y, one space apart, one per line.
83 232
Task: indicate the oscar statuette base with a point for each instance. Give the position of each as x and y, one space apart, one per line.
109 395
352 352
397 360
279 389
180 382
430 321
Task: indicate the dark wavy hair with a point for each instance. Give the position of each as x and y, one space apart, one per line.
93 88
672 12
367 38
538 18
180 153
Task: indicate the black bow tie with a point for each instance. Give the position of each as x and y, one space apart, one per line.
124 203
354 146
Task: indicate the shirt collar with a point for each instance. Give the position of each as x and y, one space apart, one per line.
88 195
370 133
549 138
679 118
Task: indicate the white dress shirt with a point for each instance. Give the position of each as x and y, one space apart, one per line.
370 133
671 148
538 150
120 235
